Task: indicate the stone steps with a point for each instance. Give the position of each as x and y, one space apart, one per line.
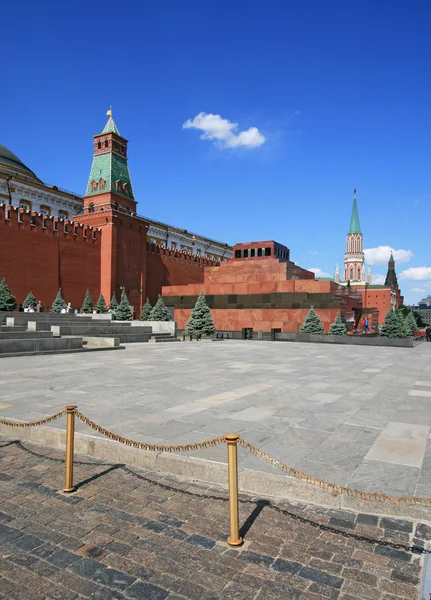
26 346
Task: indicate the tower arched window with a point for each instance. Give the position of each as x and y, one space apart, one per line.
102 183
126 188
106 143
99 145
351 273
94 185
119 186
91 207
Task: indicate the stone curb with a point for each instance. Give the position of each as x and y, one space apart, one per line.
252 481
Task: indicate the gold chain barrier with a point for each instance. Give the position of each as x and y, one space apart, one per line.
331 487
12 423
231 439
143 445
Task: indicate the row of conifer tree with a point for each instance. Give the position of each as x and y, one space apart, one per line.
397 325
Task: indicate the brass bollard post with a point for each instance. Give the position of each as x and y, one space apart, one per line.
70 439
234 538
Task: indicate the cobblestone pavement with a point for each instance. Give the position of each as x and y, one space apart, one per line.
141 535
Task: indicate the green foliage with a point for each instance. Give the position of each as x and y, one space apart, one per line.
113 304
7 299
30 302
200 320
404 309
420 322
160 312
410 322
312 323
101 304
405 329
393 327
59 303
337 327
124 310
146 311
87 305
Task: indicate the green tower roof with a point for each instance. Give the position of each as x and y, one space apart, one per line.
109 171
110 126
355 226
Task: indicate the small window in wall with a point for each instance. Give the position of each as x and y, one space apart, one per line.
153 241
102 184
106 143
245 254
94 185
119 186
126 188
259 251
115 145
267 251
174 245
99 145
45 210
237 253
91 208
252 252
351 273
122 149
198 251
63 214
26 204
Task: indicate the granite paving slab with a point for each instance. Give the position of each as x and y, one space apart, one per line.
337 413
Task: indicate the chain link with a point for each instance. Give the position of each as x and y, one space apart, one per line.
331 487
33 423
145 446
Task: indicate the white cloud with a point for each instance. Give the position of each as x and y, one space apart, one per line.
378 279
318 272
381 255
224 133
421 290
416 273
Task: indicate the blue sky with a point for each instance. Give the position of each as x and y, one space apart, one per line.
326 97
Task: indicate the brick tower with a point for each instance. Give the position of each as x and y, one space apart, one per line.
354 259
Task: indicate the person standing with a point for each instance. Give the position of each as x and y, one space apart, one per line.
367 329
363 325
428 333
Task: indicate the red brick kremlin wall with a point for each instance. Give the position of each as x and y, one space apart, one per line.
101 251
43 255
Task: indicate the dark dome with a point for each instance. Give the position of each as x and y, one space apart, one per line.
12 163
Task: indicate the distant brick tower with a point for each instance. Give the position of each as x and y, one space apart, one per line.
109 184
391 277
354 259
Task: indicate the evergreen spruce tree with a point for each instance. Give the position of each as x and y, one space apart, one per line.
124 311
58 303
113 304
312 323
392 327
146 311
101 304
7 299
30 302
200 320
405 329
338 327
87 305
160 312
410 321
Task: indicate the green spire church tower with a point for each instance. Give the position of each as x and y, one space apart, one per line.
109 185
354 258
